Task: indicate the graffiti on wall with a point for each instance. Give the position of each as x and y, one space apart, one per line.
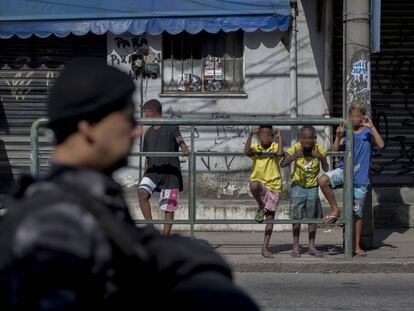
394 113
24 83
216 139
124 49
398 69
358 82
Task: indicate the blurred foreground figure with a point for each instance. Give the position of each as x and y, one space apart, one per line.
68 241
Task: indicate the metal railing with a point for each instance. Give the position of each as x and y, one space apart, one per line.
346 219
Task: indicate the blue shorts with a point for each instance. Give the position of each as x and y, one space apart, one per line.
305 203
360 191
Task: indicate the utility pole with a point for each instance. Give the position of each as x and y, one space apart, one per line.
357 78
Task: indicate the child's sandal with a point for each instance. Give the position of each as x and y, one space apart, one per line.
267 254
316 253
295 253
260 216
360 253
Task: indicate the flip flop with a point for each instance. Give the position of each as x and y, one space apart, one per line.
267 254
330 219
360 253
295 253
316 253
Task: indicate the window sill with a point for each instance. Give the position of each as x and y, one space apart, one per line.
205 95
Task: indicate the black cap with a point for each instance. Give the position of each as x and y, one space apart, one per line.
87 87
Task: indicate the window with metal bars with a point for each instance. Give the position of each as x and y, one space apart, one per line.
203 63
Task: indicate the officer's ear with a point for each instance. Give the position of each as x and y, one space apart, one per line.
86 130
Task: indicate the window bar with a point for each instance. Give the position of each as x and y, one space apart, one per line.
182 62
214 64
234 62
223 69
192 63
172 59
192 60
172 82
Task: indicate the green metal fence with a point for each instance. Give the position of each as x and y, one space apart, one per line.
346 219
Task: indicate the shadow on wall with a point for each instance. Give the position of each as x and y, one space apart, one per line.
390 210
269 39
315 17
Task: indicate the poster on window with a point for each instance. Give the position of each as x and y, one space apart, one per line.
213 68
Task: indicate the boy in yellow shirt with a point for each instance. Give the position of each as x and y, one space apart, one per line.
307 156
265 179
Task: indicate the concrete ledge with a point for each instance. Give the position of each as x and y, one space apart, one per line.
391 207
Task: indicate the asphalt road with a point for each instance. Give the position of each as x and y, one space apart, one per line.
280 291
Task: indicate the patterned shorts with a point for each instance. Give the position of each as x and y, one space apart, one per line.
305 203
360 191
168 197
270 200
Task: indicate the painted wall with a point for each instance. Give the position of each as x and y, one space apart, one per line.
266 58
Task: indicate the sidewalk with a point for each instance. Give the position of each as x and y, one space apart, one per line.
393 252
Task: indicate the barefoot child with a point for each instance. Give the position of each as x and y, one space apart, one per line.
161 173
307 157
364 133
265 179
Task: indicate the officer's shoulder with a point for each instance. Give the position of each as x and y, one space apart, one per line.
50 203
55 221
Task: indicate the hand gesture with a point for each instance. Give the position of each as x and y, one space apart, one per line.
255 130
317 154
277 133
299 154
340 131
186 150
367 122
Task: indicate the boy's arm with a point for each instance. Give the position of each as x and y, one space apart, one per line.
325 164
379 142
180 141
289 158
339 139
248 147
321 156
279 151
183 146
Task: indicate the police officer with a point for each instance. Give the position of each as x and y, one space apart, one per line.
68 241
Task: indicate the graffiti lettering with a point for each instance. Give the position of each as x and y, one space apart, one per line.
20 85
358 81
122 42
125 47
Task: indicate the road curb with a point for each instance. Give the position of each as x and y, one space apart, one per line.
326 267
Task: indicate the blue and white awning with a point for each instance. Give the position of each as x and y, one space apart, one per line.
63 17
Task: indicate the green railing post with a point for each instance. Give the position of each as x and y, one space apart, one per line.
192 206
349 190
34 140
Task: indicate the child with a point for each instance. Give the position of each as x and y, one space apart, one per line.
364 133
307 156
161 173
265 179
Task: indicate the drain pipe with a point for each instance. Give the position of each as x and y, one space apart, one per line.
327 87
293 71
